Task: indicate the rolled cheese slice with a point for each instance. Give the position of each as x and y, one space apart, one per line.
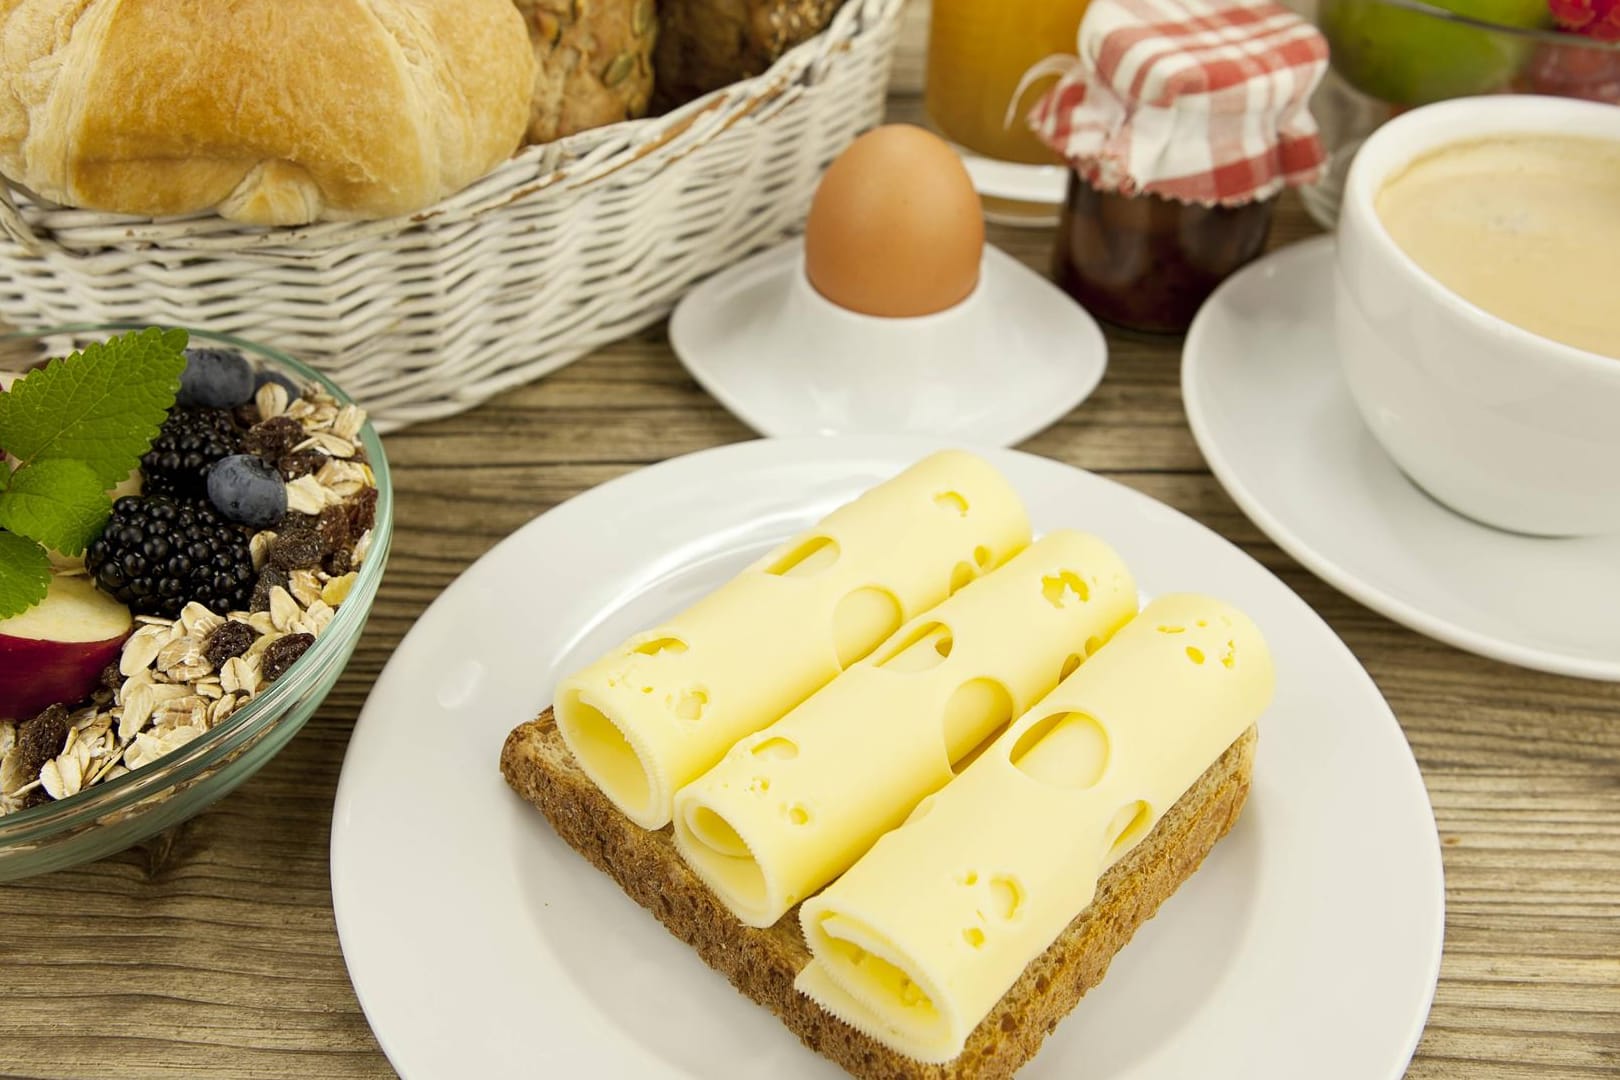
660 710
920 938
790 808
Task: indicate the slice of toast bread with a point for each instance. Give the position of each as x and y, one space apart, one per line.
763 963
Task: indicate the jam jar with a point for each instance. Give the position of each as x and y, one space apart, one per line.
1145 262
1180 133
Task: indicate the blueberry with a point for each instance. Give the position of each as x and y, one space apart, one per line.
287 382
246 490
216 378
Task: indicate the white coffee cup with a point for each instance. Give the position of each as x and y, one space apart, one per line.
1501 424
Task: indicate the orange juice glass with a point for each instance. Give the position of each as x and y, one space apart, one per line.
978 50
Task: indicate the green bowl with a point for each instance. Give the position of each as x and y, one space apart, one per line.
116 814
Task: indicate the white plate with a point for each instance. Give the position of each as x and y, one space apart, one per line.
481 945
784 367
1270 410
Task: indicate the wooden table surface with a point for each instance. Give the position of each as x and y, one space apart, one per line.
212 952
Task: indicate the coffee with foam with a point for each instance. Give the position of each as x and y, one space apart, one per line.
1526 227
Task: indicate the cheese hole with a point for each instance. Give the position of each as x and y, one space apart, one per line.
1006 896
604 752
759 785
806 559
1066 750
1064 589
952 501
1130 824
1071 664
981 555
920 811
862 621
923 649
1229 657
1093 643
1203 622
974 937
776 749
1195 655
690 705
970 878
960 766
798 815
962 576
1172 629
661 645
974 711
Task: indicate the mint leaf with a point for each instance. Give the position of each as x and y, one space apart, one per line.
62 504
25 574
102 406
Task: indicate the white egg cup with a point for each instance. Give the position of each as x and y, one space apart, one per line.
1007 361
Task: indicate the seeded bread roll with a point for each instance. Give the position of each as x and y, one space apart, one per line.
272 112
706 44
594 63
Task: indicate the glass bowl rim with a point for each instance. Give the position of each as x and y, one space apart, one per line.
260 713
1547 35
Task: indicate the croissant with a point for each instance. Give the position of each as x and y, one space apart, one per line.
269 112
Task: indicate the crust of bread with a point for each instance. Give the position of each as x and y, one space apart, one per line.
275 112
762 964
706 44
594 63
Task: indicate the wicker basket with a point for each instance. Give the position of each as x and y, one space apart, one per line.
567 246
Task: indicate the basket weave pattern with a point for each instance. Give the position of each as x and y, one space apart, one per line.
566 247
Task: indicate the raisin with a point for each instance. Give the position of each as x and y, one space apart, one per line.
340 562
274 438
362 510
298 545
245 415
301 463
333 527
40 739
282 653
230 640
269 578
111 678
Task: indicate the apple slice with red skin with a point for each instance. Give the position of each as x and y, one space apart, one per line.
56 650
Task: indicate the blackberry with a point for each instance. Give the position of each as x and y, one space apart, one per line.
158 554
190 441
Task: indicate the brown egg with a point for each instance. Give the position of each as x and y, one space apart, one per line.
896 228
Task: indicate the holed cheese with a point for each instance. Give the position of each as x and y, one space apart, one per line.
790 808
660 710
921 937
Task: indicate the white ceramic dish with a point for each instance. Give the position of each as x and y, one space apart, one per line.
481 945
1511 428
1036 190
1271 412
1004 364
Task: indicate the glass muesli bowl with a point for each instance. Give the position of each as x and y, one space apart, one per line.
1388 56
115 814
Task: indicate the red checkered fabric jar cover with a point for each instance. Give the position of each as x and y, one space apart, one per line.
1201 101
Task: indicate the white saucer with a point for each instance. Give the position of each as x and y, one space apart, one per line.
481 945
1273 416
786 364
